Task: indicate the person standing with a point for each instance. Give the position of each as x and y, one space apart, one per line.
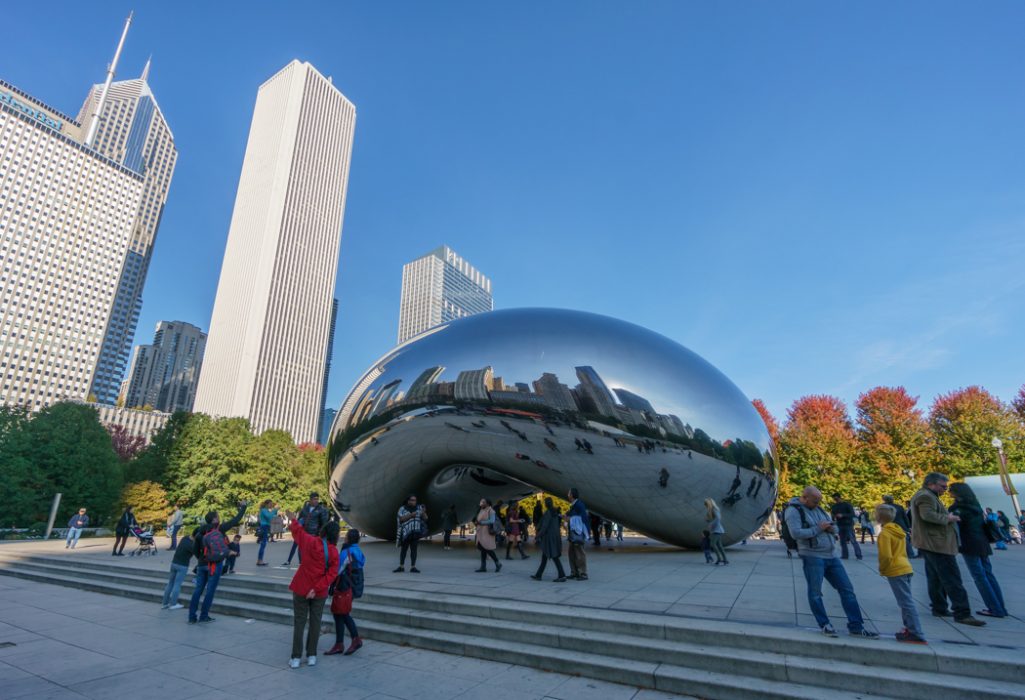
935 536
577 536
716 531
78 522
485 535
277 527
516 526
234 552
975 549
901 520
449 520
350 573
411 525
211 549
815 534
267 514
550 540
121 531
312 516
174 526
896 569
866 526
843 513
179 569
318 567
706 546
537 515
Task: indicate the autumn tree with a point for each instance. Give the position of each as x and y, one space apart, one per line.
1019 403
895 443
773 427
125 445
964 423
819 447
149 502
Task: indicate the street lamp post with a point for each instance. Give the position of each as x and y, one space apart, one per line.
1005 477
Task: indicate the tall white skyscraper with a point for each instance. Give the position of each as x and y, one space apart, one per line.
269 335
132 131
67 219
440 287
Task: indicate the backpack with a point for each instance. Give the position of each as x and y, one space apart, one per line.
215 546
784 530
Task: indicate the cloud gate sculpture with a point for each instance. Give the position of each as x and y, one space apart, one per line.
509 403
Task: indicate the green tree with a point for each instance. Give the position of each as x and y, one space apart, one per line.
151 464
149 501
73 453
27 491
895 441
819 448
205 460
964 423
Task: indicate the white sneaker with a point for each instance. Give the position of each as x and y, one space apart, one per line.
163 607
176 606
294 663
311 661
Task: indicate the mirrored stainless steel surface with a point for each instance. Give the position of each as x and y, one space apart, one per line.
512 402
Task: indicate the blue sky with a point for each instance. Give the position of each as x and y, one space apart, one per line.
815 197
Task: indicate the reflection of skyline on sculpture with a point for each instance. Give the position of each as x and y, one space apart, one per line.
507 403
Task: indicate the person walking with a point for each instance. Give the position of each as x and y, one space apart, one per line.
537 515
843 513
449 520
1005 526
350 573
935 536
815 534
577 536
706 546
550 540
485 535
866 526
121 531
211 549
318 567
78 522
515 525
973 544
895 567
174 526
901 520
716 531
411 525
267 514
176 576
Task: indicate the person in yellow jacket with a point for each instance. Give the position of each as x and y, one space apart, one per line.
895 567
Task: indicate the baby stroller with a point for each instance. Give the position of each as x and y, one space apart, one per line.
145 540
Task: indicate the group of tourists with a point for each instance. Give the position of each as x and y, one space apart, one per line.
938 533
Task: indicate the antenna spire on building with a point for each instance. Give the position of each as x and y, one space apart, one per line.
95 122
145 69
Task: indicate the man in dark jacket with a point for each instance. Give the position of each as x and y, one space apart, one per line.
208 574
314 515
578 525
78 521
549 535
843 514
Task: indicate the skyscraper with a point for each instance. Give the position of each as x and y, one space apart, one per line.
593 387
132 131
269 334
164 375
67 218
440 287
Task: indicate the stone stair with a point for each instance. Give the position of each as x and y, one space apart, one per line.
707 658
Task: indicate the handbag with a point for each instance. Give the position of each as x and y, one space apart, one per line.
341 602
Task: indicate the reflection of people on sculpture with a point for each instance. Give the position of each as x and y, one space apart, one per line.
448 524
515 525
411 526
736 484
663 477
716 531
577 536
580 445
487 528
551 445
751 486
549 537
596 529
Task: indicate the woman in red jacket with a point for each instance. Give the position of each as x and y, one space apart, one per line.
318 566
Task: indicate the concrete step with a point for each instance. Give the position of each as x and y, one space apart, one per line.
415 619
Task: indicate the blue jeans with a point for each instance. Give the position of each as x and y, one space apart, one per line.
73 534
847 533
901 587
174 537
816 569
208 581
986 582
264 538
174 583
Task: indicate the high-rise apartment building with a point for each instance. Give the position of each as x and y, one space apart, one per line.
132 131
67 220
440 287
165 374
269 335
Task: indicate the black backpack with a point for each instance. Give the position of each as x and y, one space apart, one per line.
784 529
